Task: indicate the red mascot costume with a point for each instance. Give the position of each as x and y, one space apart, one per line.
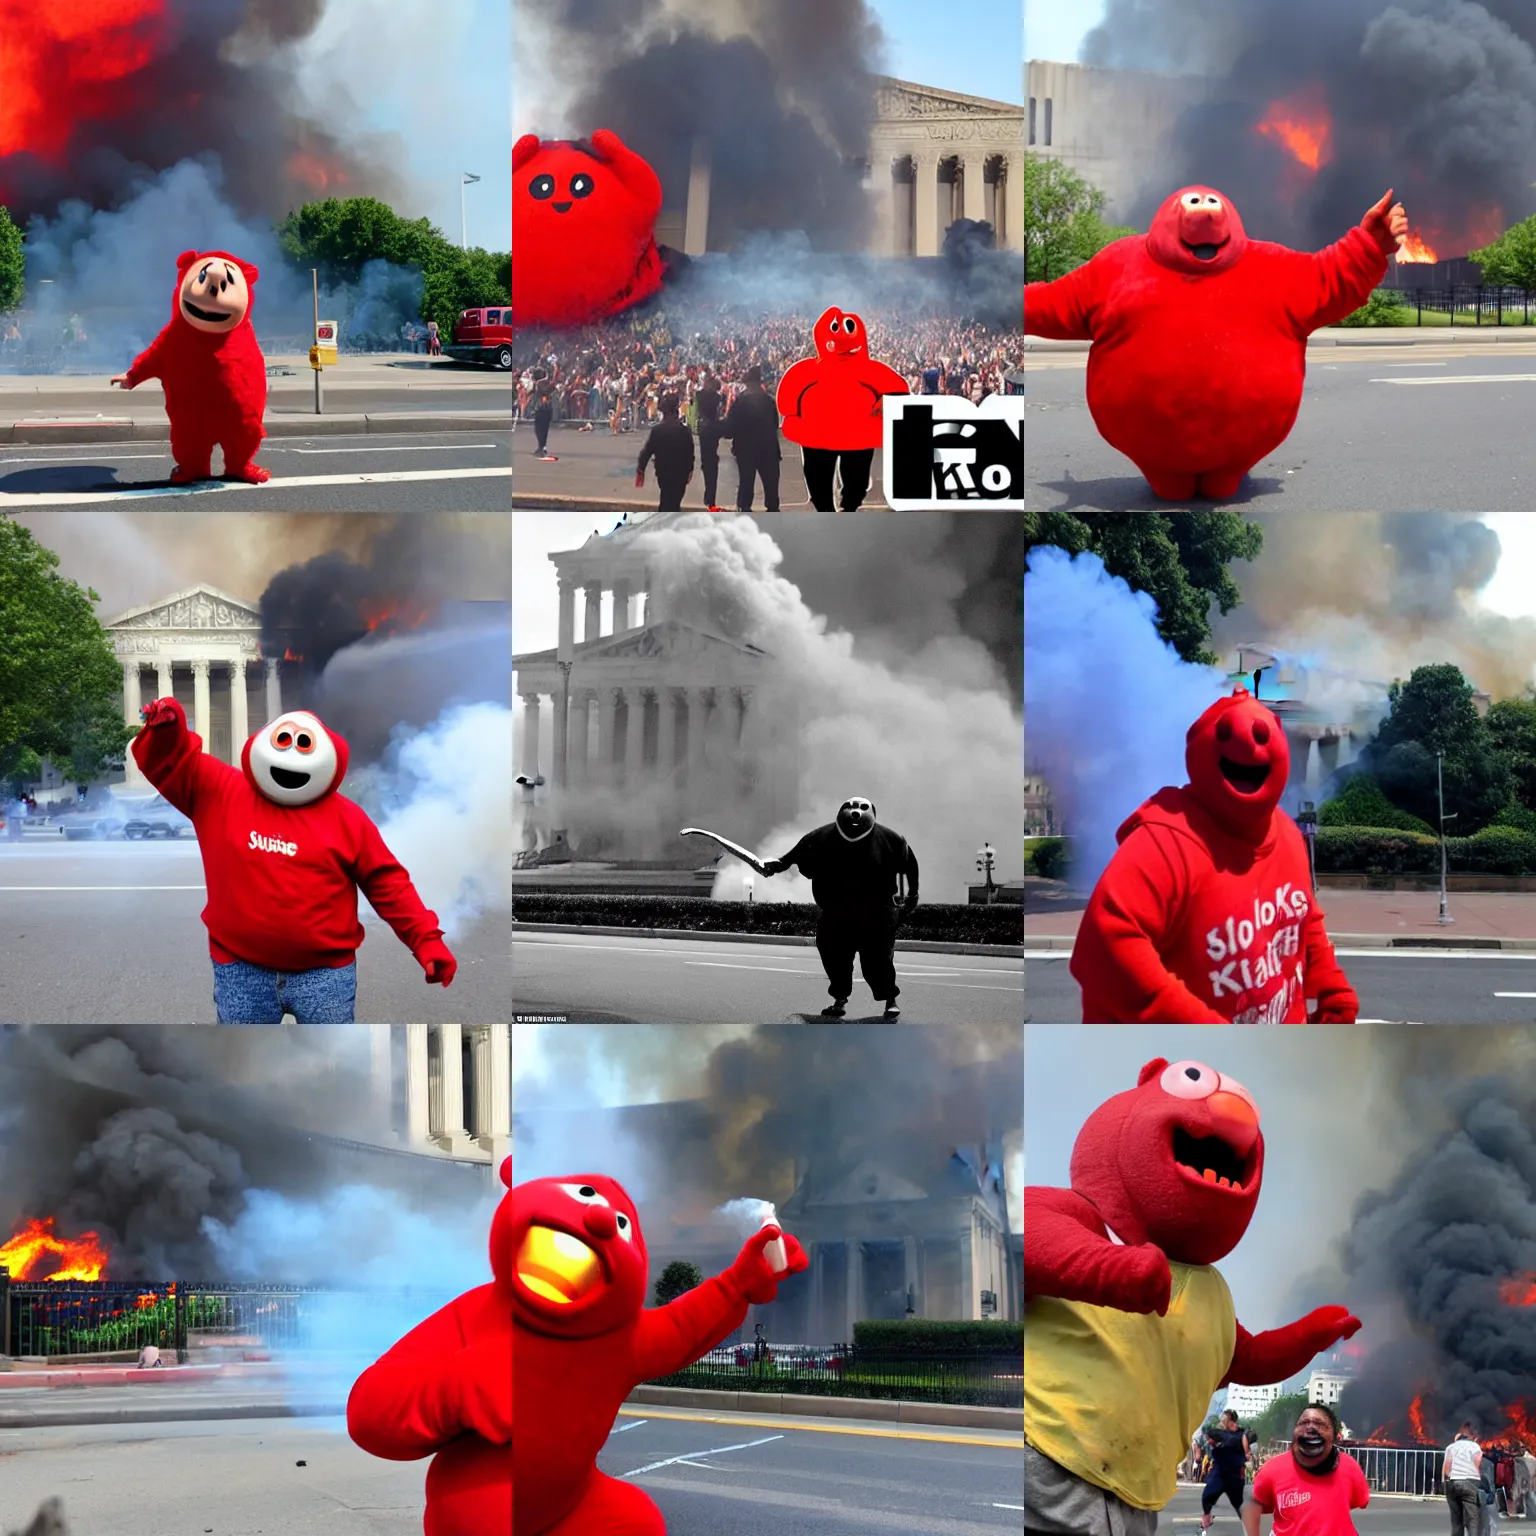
583 217
1128 1330
445 1391
831 407
211 368
584 1341
1200 335
1206 914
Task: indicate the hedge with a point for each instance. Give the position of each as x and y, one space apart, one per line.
1362 803
915 1337
1048 858
1385 853
941 923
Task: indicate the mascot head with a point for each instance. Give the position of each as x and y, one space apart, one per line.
856 818
501 1235
1177 1161
1197 231
582 221
840 334
579 1263
295 760
213 291
1238 762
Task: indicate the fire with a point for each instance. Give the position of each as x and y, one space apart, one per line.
1519 1291
1416 1418
1415 248
61 63
291 655
148 1299
314 173
1300 125
397 613
36 1246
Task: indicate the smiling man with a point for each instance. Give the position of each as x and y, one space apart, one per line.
1206 913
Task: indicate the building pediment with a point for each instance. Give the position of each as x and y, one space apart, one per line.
898 100
665 641
868 1184
199 607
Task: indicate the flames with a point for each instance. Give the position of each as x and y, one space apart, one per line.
1302 126
1415 248
393 613
311 170
36 1252
1518 1291
292 655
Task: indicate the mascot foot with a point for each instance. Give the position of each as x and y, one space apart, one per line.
891 1010
252 474
1172 487
1222 485
836 1009
180 476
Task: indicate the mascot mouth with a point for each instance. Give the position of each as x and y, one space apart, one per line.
1245 778
1205 251
218 317
562 207
557 1265
1210 1159
286 778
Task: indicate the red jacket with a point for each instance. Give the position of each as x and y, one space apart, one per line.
1191 925
282 881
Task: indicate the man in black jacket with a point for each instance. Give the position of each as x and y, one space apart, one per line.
709 438
671 444
855 868
752 425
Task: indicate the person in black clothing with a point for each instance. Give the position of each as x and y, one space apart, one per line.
543 414
855 866
709 437
752 424
1229 1452
671 444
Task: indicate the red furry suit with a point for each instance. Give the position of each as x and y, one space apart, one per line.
1206 913
445 1391
834 399
211 368
1128 1329
584 1340
582 222
1200 335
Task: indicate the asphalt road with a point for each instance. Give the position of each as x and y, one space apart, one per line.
598 978
1395 987
372 472
228 1477
110 933
1392 1515
1431 426
768 1475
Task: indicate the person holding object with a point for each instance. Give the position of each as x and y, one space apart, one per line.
1311 1488
670 443
284 856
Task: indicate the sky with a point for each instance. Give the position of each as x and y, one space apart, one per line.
974 46
1054 29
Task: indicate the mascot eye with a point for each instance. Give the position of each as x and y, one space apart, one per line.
584 1193
304 742
542 186
1190 1080
1193 200
626 1231
582 186
282 739
850 326
1260 732
1223 730
1213 202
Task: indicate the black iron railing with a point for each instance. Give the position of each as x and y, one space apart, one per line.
1463 304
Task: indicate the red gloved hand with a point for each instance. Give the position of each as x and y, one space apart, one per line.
483 1380
1386 224
754 1276
1328 1325
436 959
160 712
1149 1264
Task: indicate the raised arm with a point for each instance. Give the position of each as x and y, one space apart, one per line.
1068 1254
1335 282
1260 1358
172 757
1067 308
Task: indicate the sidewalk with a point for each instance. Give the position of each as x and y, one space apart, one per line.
617 931
286 370
151 426
1363 336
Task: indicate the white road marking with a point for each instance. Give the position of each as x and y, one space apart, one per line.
44 459
277 483
619 1429
393 448
1468 378
718 1451
1515 994
518 937
1007 1506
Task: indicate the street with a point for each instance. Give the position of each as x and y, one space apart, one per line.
1395 986
601 978
1389 1515
769 1475
1442 425
109 933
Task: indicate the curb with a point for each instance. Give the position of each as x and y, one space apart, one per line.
885 1411
62 1418
1064 942
1383 336
531 502
914 946
118 1376
131 429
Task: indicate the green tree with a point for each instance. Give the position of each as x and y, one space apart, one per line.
13 264
1510 261
458 280
1064 223
1512 729
1361 803
1180 560
677 1277
1276 1421
60 685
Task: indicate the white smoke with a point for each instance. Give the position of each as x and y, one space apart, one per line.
747 1215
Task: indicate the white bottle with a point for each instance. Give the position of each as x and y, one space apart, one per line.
778 1259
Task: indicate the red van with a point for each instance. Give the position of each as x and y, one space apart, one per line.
483 336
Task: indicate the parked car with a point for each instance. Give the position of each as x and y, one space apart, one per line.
156 818
91 828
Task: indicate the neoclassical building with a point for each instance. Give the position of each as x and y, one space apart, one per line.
457 1086
201 647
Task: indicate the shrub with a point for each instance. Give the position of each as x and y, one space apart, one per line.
1494 850
1378 852
1384 307
1517 815
915 1337
1361 803
1048 858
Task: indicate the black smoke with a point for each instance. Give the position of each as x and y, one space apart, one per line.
785 106
1435 98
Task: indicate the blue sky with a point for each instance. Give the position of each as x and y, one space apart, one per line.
974 46
1053 29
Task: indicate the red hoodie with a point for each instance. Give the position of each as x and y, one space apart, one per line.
282 880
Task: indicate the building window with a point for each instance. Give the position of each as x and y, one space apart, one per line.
1031 119
1048 105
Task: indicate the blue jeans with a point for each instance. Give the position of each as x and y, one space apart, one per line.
251 994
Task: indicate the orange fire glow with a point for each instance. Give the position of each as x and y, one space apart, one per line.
1416 248
36 1252
62 63
397 613
1302 127
1520 1291
148 1299
1416 1418
289 655
315 173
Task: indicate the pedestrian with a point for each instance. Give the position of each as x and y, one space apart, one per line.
543 414
1230 1455
752 424
1311 1488
1462 1471
434 340
1488 1495
707 402
670 443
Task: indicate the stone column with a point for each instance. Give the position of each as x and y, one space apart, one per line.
593 628
492 1047
855 1296
697 717
581 730
417 1122
607 712
666 733
567 620
654 611
562 728
696 214
274 690
1013 202
239 713
973 167
925 195
200 706
621 616
133 700
634 739
451 1135
163 686
531 734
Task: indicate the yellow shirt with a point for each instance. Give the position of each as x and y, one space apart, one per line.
1114 1397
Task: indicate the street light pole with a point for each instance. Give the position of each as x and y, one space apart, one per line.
466 179
1445 917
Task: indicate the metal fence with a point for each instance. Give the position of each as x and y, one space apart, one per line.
837 1371
1465 304
1390 1469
